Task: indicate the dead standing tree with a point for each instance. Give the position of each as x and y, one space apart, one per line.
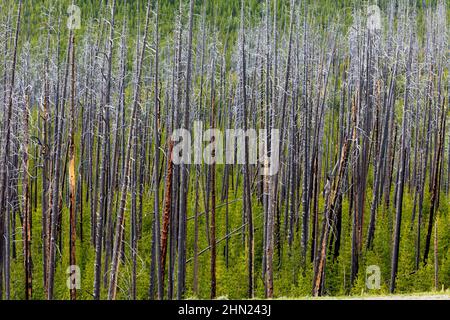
103 166
246 190
156 183
401 173
118 237
331 201
4 174
184 182
72 176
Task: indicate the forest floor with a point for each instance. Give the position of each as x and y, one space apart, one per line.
417 296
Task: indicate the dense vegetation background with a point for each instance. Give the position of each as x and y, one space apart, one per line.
360 112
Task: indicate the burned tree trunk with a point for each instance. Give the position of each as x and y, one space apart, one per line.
118 238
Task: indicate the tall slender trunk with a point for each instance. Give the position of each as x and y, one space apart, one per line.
331 202
247 191
26 206
435 183
184 182
401 175
156 164
118 238
4 182
72 176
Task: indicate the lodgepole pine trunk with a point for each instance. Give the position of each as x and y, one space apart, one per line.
184 182
247 190
4 182
306 173
213 191
45 152
167 209
401 175
26 206
118 238
118 140
103 165
331 202
55 197
72 176
267 141
156 220
436 184
177 75
271 201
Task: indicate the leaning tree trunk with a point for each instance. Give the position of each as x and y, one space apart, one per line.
331 202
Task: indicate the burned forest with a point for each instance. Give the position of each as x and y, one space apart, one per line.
176 149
